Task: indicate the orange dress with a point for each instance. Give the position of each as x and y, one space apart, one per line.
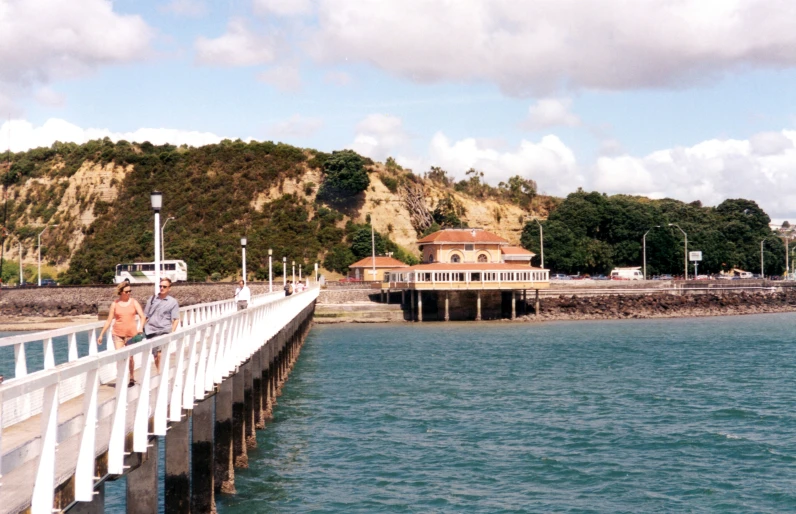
124 320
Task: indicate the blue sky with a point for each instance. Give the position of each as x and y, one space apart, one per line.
690 99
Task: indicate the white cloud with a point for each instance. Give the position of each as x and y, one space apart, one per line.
379 136
531 47
23 135
551 112
45 40
296 126
238 46
49 97
193 8
762 168
283 7
285 78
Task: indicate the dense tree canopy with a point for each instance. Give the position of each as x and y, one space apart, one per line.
592 233
344 177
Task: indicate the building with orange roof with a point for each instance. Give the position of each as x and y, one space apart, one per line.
368 270
468 263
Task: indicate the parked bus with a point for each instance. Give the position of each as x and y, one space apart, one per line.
626 274
144 272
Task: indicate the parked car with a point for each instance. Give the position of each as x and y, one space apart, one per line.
559 276
664 277
599 277
701 277
48 282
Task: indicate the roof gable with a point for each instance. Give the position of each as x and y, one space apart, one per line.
458 235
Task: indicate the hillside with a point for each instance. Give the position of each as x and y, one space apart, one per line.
98 196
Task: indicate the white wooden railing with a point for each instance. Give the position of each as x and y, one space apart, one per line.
189 316
197 357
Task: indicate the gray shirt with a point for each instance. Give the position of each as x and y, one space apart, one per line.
160 313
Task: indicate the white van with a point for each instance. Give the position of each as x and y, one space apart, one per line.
626 274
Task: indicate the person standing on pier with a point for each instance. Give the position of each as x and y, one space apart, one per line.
162 315
243 295
122 314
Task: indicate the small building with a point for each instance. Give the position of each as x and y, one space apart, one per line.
364 269
467 263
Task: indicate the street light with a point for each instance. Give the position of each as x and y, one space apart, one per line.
163 239
284 272
541 241
243 250
294 274
299 272
270 281
685 257
644 247
39 241
156 199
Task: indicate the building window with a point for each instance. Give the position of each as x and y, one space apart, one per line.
469 247
482 258
455 258
430 257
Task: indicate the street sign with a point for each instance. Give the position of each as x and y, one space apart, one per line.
695 256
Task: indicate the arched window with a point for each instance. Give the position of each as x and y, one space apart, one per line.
455 258
431 257
483 258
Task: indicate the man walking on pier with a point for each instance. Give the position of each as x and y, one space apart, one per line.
243 295
162 315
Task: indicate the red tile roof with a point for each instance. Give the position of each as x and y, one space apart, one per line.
515 250
463 235
381 262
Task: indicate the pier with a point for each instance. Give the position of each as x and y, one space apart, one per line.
69 427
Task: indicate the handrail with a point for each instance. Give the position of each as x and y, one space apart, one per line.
203 355
189 316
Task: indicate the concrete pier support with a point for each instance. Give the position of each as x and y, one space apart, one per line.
513 305
536 304
142 483
224 471
239 454
178 472
257 390
202 478
403 297
412 306
248 405
420 306
388 297
478 307
447 308
524 302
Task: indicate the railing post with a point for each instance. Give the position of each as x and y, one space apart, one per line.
84 471
162 401
118 429
141 421
44 483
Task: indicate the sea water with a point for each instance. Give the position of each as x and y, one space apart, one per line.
676 415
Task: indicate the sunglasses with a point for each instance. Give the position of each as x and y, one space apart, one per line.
164 287
128 291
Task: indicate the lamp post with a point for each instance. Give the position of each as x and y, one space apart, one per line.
163 240
39 244
284 272
685 257
299 272
644 249
243 251
270 280
156 199
541 241
294 273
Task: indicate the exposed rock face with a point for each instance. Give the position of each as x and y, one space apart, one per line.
69 301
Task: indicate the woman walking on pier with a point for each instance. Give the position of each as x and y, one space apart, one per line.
122 314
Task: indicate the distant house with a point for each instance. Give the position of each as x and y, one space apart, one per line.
459 246
363 269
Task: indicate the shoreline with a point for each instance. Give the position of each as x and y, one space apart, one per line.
42 323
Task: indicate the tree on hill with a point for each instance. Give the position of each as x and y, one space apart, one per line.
344 177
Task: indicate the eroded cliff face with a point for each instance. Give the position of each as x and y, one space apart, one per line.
66 205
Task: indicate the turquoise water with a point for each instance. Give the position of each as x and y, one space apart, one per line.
678 415
688 415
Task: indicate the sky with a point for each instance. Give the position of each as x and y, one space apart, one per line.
686 99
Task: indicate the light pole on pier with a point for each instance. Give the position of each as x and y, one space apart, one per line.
294 274
644 249
284 272
156 199
270 279
162 239
243 252
39 244
685 257
299 272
